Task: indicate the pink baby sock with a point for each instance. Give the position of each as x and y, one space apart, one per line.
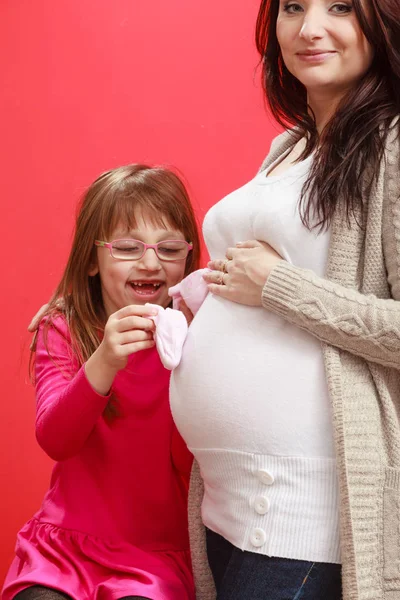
171 330
193 290
171 324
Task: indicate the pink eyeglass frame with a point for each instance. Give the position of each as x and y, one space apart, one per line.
145 248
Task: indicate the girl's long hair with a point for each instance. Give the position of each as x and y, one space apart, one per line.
114 199
352 143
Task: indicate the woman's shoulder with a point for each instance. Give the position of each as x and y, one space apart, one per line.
279 145
393 137
282 139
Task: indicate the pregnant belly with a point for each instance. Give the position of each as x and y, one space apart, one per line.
252 382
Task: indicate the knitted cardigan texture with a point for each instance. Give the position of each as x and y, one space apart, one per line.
354 312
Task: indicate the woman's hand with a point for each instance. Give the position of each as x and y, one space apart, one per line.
34 324
242 276
127 331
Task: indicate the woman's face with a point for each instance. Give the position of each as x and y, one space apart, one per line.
322 44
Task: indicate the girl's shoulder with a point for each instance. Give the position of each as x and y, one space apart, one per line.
53 331
55 321
54 343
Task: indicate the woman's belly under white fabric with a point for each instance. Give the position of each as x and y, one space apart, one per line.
250 381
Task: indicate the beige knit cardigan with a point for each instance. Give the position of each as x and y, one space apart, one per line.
355 313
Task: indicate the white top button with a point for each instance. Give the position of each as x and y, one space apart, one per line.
258 537
261 505
265 477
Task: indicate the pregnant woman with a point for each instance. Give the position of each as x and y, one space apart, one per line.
288 393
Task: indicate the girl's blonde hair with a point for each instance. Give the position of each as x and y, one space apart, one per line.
115 198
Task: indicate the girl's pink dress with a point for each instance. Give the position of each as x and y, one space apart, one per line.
113 522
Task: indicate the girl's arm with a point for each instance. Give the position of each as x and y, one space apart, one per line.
70 400
182 458
67 405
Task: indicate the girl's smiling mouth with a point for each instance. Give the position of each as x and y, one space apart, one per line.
143 287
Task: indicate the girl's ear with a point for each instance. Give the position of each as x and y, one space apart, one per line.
94 263
94 269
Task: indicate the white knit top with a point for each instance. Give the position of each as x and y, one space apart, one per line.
250 396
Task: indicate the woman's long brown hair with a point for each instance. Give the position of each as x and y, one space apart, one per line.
112 200
352 143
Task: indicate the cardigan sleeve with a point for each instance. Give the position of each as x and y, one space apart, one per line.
364 325
67 407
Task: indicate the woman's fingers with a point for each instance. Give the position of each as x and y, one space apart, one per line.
224 264
34 324
250 244
242 275
218 265
216 277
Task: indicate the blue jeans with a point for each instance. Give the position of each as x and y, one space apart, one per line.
245 575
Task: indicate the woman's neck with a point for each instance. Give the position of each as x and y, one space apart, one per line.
323 105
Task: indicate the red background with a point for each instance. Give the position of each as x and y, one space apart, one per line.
88 85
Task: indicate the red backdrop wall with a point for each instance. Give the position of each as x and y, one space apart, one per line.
88 85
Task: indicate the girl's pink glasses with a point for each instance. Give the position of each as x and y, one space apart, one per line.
135 249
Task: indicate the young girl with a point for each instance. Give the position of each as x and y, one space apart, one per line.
113 524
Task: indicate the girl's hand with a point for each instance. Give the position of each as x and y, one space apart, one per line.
242 276
127 331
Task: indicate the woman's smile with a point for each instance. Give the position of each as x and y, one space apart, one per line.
316 56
